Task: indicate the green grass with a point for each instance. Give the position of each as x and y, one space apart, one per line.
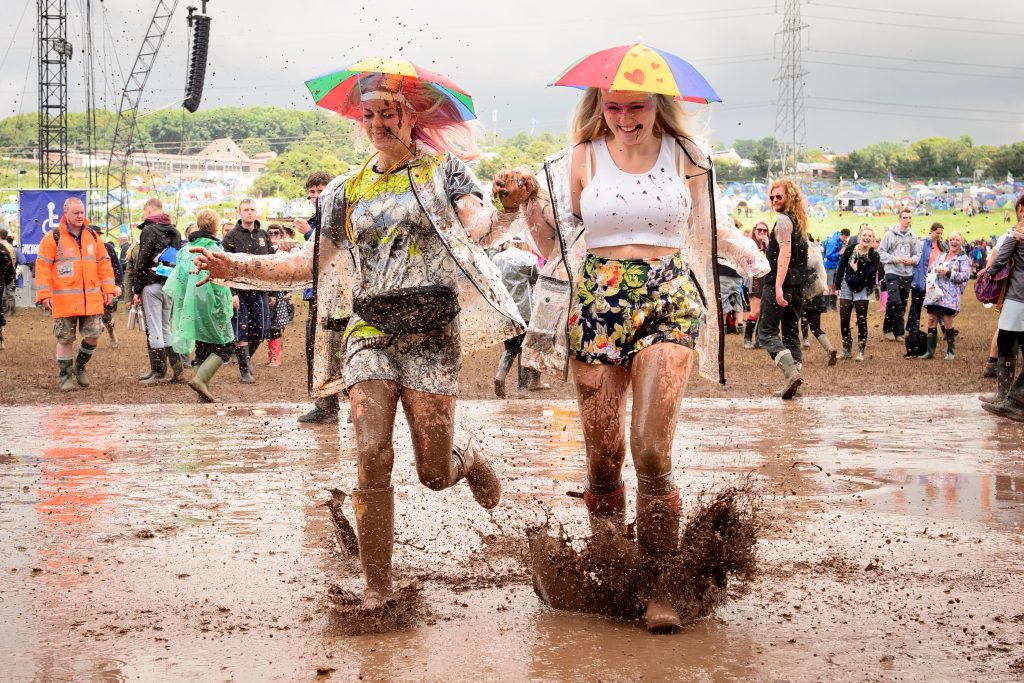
975 227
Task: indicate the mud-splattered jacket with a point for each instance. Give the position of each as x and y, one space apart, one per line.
708 236
488 314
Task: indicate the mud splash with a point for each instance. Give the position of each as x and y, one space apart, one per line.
607 574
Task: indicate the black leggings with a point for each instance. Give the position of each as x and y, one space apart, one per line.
846 306
1007 341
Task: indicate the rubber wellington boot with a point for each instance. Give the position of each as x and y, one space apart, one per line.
324 410
826 344
748 333
847 353
504 365
478 472
375 530
606 511
861 345
155 358
114 341
791 374
1013 405
66 380
200 382
162 372
933 341
657 535
172 358
1006 370
950 344
85 351
990 368
244 365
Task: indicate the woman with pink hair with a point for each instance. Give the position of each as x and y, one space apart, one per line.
401 287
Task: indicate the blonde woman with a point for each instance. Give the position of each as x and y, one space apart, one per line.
630 215
952 270
855 278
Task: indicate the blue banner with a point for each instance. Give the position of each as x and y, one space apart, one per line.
40 212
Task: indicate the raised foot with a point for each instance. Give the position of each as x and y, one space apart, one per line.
661 617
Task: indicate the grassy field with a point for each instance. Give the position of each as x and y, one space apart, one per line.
975 227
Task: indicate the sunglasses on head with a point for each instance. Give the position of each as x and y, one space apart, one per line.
776 196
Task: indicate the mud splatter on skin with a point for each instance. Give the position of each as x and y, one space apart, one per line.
607 574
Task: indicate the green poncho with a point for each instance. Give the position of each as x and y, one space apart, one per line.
198 313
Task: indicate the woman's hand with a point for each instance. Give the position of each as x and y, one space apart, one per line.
513 187
218 264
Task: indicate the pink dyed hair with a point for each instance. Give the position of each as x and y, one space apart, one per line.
439 125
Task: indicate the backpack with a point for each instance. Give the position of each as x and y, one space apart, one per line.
166 261
916 343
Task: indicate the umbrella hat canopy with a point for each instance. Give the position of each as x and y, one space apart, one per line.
334 90
639 68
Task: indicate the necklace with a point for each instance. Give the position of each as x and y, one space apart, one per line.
351 201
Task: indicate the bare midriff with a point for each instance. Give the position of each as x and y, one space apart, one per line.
633 251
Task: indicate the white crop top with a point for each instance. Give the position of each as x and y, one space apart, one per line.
622 208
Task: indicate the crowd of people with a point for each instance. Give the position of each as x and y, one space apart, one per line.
629 229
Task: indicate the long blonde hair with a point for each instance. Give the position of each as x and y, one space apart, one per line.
588 120
794 203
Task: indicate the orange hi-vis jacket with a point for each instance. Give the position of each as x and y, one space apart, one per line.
74 279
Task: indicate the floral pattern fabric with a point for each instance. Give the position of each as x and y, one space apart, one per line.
623 306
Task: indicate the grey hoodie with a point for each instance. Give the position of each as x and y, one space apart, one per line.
896 244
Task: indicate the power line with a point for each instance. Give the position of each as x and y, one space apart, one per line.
920 106
912 116
918 71
917 26
11 44
915 59
915 14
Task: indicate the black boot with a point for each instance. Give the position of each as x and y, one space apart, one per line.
1013 405
324 410
847 353
161 373
504 365
1006 370
748 333
244 366
85 350
155 356
950 344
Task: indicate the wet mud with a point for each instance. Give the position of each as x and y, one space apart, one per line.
169 542
606 573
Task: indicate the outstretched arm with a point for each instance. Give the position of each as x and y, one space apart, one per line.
284 270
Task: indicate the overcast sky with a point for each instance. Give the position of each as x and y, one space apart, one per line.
877 69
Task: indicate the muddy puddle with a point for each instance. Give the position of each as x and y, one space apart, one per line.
168 542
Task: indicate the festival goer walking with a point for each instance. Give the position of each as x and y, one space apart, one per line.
931 248
519 273
899 252
74 281
778 330
760 237
394 236
157 235
834 247
202 315
252 308
325 408
281 308
856 276
111 308
952 270
637 307
1010 390
8 273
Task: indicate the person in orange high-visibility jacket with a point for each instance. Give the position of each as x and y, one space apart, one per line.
74 280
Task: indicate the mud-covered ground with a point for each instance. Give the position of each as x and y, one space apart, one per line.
189 542
28 371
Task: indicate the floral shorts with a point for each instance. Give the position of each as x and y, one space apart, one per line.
622 306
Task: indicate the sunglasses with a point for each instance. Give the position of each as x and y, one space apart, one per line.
274 232
776 196
764 230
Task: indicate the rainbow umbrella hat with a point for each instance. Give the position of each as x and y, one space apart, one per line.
333 90
639 68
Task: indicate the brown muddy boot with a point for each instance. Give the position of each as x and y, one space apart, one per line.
200 382
657 534
1006 370
479 473
791 373
375 529
826 344
66 380
606 511
161 371
177 367
114 342
1012 406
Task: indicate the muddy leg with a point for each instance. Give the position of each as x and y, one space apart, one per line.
601 395
659 378
373 408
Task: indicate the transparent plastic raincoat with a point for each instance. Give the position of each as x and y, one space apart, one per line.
708 235
488 314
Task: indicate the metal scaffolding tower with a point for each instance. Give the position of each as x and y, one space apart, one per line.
54 53
790 127
121 150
